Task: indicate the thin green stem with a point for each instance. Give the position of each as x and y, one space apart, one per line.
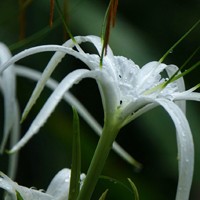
104 146
170 80
67 28
171 49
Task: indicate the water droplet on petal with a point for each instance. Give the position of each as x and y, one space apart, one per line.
66 180
42 190
187 160
33 188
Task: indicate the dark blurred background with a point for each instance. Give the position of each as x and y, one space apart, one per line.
144 31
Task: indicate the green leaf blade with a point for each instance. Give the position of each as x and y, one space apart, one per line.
134 189
76 159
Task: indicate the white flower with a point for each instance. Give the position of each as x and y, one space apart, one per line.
11 108
124 91
8 84
58 189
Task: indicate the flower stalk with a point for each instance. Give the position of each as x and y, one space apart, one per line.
104 146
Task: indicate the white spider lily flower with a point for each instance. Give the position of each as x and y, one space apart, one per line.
72 100
58 189
124 91
11 108
8 84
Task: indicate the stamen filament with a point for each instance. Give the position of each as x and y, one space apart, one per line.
67 28
51 13
110 16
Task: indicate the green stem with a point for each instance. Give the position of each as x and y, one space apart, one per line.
104 146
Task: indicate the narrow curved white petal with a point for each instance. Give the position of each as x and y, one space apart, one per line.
39 49
54 99
55 60
11 187
68 97
8 86
50 104
59 186
184 138
194 96
187 95
185 148
15 135
57 57
171 70
109 59
149 73
71 100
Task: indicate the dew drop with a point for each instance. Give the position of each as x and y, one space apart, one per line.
33 188
171 51
186 160
66 180
42 190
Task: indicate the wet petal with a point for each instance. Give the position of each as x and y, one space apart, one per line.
8 86
184 139
171 70
11 187
108 97
92 61
71 100
185 148
59 186
149 76
50 104
194 96
15 135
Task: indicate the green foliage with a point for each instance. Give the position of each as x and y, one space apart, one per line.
76 159
19 197
134 189
103 196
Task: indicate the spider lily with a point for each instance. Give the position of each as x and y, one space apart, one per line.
127 92
7 83
58 189
11 108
